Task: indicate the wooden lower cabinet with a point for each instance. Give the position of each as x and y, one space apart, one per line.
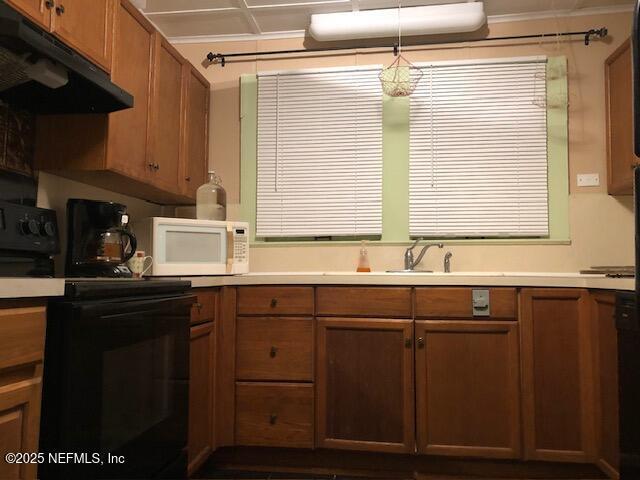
201 382
468 388
557 375
364 384
605 346
274 414
22 331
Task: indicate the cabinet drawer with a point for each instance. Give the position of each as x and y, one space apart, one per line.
21 335
204 310
439 302
275 300
270 348
364 301
275 415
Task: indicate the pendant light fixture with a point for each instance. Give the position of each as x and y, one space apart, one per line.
400 78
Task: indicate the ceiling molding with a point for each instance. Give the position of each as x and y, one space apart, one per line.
515 17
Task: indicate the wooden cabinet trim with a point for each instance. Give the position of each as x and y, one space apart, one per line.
225 368
585 362
422 327
406 326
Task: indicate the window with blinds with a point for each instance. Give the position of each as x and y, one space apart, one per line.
319 153
478 143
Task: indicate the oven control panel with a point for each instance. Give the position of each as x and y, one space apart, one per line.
28 229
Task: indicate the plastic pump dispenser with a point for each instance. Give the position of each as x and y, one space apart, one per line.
363 261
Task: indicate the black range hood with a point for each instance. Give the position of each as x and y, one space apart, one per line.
31 59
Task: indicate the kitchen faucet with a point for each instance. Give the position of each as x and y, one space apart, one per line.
409 262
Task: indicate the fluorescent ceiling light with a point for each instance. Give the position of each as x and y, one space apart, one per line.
429 20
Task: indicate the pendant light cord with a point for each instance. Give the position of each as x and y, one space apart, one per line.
399 31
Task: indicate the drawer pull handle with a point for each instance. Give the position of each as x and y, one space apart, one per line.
198 306
273 418
274 302
420 342
60 10
272 352
49 4
407 343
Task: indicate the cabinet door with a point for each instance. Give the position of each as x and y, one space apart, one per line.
166 115
619 94
86 27
131 70
196 148
364 384
37 10
468 388
20 424
605 338
201 395
558 377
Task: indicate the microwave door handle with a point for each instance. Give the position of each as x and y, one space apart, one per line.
230 248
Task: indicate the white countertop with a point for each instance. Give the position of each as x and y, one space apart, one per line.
511 279
31 287
54 287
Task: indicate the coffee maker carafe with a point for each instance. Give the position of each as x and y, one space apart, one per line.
98 242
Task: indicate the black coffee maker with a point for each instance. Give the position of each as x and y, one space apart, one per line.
98 241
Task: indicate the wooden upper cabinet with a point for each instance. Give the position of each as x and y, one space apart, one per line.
86 27
196 131
468 388
605 345
166 115
131 69
364 384
621 158
558 377
36 10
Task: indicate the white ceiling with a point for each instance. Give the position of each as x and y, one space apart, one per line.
182 20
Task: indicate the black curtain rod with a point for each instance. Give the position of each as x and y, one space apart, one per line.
220 58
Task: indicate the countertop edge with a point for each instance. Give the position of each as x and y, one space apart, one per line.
16 288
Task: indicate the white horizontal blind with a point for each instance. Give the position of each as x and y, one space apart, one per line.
319 153
478 165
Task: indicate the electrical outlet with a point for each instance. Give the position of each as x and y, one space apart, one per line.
588 179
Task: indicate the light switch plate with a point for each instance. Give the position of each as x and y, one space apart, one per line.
588 179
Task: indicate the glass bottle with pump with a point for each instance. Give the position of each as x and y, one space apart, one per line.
211 199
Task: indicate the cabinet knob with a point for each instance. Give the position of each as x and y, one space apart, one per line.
60 9
150 165
156 166
420 342
274 302
272 352
188 179
198 306
273 418
49 4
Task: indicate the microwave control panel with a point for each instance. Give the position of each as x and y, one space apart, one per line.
240 244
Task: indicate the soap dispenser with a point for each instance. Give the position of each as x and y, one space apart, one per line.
363 261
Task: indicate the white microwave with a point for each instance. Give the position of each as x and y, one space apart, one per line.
182 246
